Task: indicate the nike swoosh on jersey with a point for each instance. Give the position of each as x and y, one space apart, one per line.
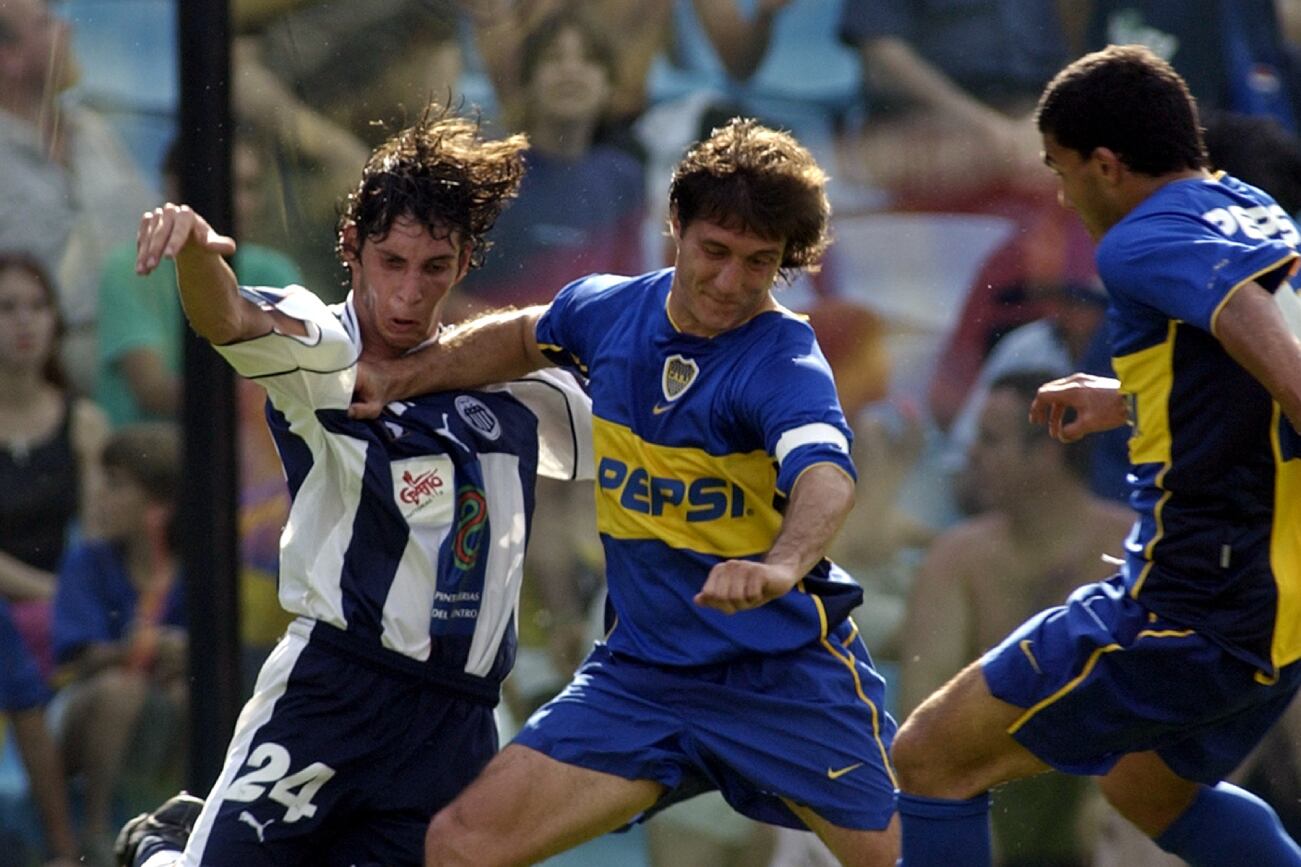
835 775
661 407
1029 654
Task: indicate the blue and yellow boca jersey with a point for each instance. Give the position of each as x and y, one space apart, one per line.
1216 470
697 441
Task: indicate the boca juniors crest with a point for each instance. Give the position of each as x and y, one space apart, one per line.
678 374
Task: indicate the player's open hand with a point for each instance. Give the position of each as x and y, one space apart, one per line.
739 585
1095 404
169 229
368 393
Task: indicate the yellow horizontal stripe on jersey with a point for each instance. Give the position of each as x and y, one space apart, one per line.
1285 553
1146 379
684 497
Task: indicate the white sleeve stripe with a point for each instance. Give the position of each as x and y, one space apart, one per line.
807 435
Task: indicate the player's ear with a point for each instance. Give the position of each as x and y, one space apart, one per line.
349 248
1110 164
675 225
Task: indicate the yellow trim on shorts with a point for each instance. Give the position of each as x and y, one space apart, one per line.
848 660
1088 668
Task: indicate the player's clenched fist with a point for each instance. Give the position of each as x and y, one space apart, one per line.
169 229
738 585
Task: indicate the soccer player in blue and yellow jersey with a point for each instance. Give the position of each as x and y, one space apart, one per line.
723 471
403 552
1160 680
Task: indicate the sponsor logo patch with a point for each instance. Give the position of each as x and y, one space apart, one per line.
422 488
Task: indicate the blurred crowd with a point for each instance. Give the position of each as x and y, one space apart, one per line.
956 285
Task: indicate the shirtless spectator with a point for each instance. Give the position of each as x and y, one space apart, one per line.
1040 536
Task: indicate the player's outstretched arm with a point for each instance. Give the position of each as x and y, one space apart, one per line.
819 503
495 347
208 288
1254 332
1095 400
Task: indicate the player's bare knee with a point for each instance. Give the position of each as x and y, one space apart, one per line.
912 755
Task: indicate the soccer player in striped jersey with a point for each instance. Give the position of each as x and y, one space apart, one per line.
723 471
1161 679
402 555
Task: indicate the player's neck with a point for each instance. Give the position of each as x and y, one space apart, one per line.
1142 187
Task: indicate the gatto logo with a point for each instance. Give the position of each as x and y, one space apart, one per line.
420 488
702 499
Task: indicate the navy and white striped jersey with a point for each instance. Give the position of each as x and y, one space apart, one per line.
406 533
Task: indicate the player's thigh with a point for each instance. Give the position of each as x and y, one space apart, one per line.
526 806
956 743
851 846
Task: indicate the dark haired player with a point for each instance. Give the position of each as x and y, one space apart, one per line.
403 552
1159 680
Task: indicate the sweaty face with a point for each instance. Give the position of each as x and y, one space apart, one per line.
1079 187
724 277
399 283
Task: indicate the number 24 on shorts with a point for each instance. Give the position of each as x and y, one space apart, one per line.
270 763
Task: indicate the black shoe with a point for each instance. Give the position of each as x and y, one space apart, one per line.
170 823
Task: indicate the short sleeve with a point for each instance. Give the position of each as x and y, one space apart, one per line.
1185 268
792 400
317 370
567 333
564 413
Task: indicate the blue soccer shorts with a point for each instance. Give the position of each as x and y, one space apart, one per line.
1102 676
338 761
806 726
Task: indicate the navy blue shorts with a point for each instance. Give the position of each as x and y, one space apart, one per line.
21 684
807 726
1101 676
336 761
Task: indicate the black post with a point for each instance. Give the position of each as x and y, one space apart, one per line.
209 530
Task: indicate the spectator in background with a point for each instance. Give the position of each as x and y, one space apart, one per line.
951 87
118 634
23 695
50 444
950 90
1038 536
1258 150
1232 53
296 64
140 324
580 207
1055 345
69 189
641 29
